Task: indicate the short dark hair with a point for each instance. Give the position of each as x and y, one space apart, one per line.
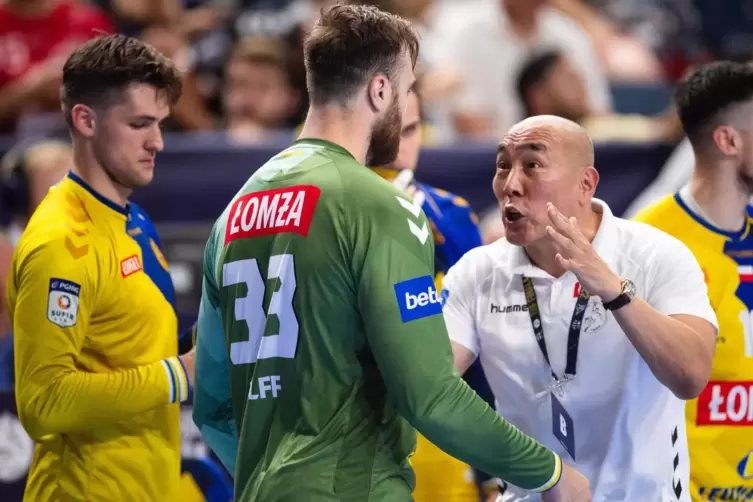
348 45
533 72
705 94
105 66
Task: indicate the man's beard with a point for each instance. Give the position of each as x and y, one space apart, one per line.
385 137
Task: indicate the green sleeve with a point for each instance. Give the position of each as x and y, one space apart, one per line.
393 267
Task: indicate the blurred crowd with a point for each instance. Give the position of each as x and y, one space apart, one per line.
484 64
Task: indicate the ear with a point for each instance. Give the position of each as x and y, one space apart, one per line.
727 140
379 93
83 119
589 181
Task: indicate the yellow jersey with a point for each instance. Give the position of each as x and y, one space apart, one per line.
720 421
95 334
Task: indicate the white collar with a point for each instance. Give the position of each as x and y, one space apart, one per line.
518 262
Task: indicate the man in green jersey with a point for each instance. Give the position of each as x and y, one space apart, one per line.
321 344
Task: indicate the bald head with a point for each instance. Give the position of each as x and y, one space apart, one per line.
572 137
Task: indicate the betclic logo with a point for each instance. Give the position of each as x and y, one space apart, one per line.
417 298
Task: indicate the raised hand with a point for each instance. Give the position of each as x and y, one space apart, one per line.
577 254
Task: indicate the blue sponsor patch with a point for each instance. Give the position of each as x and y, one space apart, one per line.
417 298
443 296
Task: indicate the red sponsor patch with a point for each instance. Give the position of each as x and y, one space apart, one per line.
726 403
130 265
273 212
576 290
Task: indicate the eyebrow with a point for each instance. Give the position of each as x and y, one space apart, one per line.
146 118
532 146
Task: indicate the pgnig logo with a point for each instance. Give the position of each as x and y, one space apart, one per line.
64 302
417 298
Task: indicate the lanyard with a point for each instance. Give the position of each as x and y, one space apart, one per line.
573 337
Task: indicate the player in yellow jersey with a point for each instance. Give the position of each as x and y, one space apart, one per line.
712 217
90 298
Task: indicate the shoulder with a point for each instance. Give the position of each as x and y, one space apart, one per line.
649 246
479 264
660 213
60 227
449 203
563 27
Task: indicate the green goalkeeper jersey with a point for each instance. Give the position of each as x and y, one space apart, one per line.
322 348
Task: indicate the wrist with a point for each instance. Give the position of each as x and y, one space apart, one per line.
613 290
179 386
556 476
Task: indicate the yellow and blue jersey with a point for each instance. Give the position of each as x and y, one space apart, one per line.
720 420
95 338
455 229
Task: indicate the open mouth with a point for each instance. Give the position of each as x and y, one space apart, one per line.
512 215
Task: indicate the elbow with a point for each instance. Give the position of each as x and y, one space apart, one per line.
34 418
690 384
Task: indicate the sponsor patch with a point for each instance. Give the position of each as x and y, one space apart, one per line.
130 265
417 298
62 302
273 212
726 403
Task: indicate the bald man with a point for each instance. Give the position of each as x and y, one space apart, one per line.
592 330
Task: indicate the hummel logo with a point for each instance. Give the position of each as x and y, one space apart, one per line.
506 309
422 232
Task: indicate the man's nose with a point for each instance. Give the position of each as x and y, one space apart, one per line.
514 183
155 143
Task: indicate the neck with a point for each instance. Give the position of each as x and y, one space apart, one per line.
86 167
340 126
542 252
720 195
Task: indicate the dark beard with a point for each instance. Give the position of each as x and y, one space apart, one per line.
385 137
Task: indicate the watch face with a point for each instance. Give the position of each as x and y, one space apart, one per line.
629 288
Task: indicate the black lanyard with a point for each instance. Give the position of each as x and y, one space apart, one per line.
573 337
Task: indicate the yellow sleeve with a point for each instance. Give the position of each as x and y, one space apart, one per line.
55 291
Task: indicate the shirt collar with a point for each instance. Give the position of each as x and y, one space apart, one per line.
604 243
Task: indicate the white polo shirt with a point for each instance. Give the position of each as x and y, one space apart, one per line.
628 428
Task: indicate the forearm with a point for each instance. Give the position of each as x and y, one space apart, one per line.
676 354
459 422
55 402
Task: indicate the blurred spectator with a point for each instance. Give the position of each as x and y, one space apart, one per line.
132 16
258 95
549 84
489 43
36 37
628 53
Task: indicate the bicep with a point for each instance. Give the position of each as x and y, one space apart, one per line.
51 309
678 283
401 311
702 327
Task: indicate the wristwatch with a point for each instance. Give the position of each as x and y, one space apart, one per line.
626 296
